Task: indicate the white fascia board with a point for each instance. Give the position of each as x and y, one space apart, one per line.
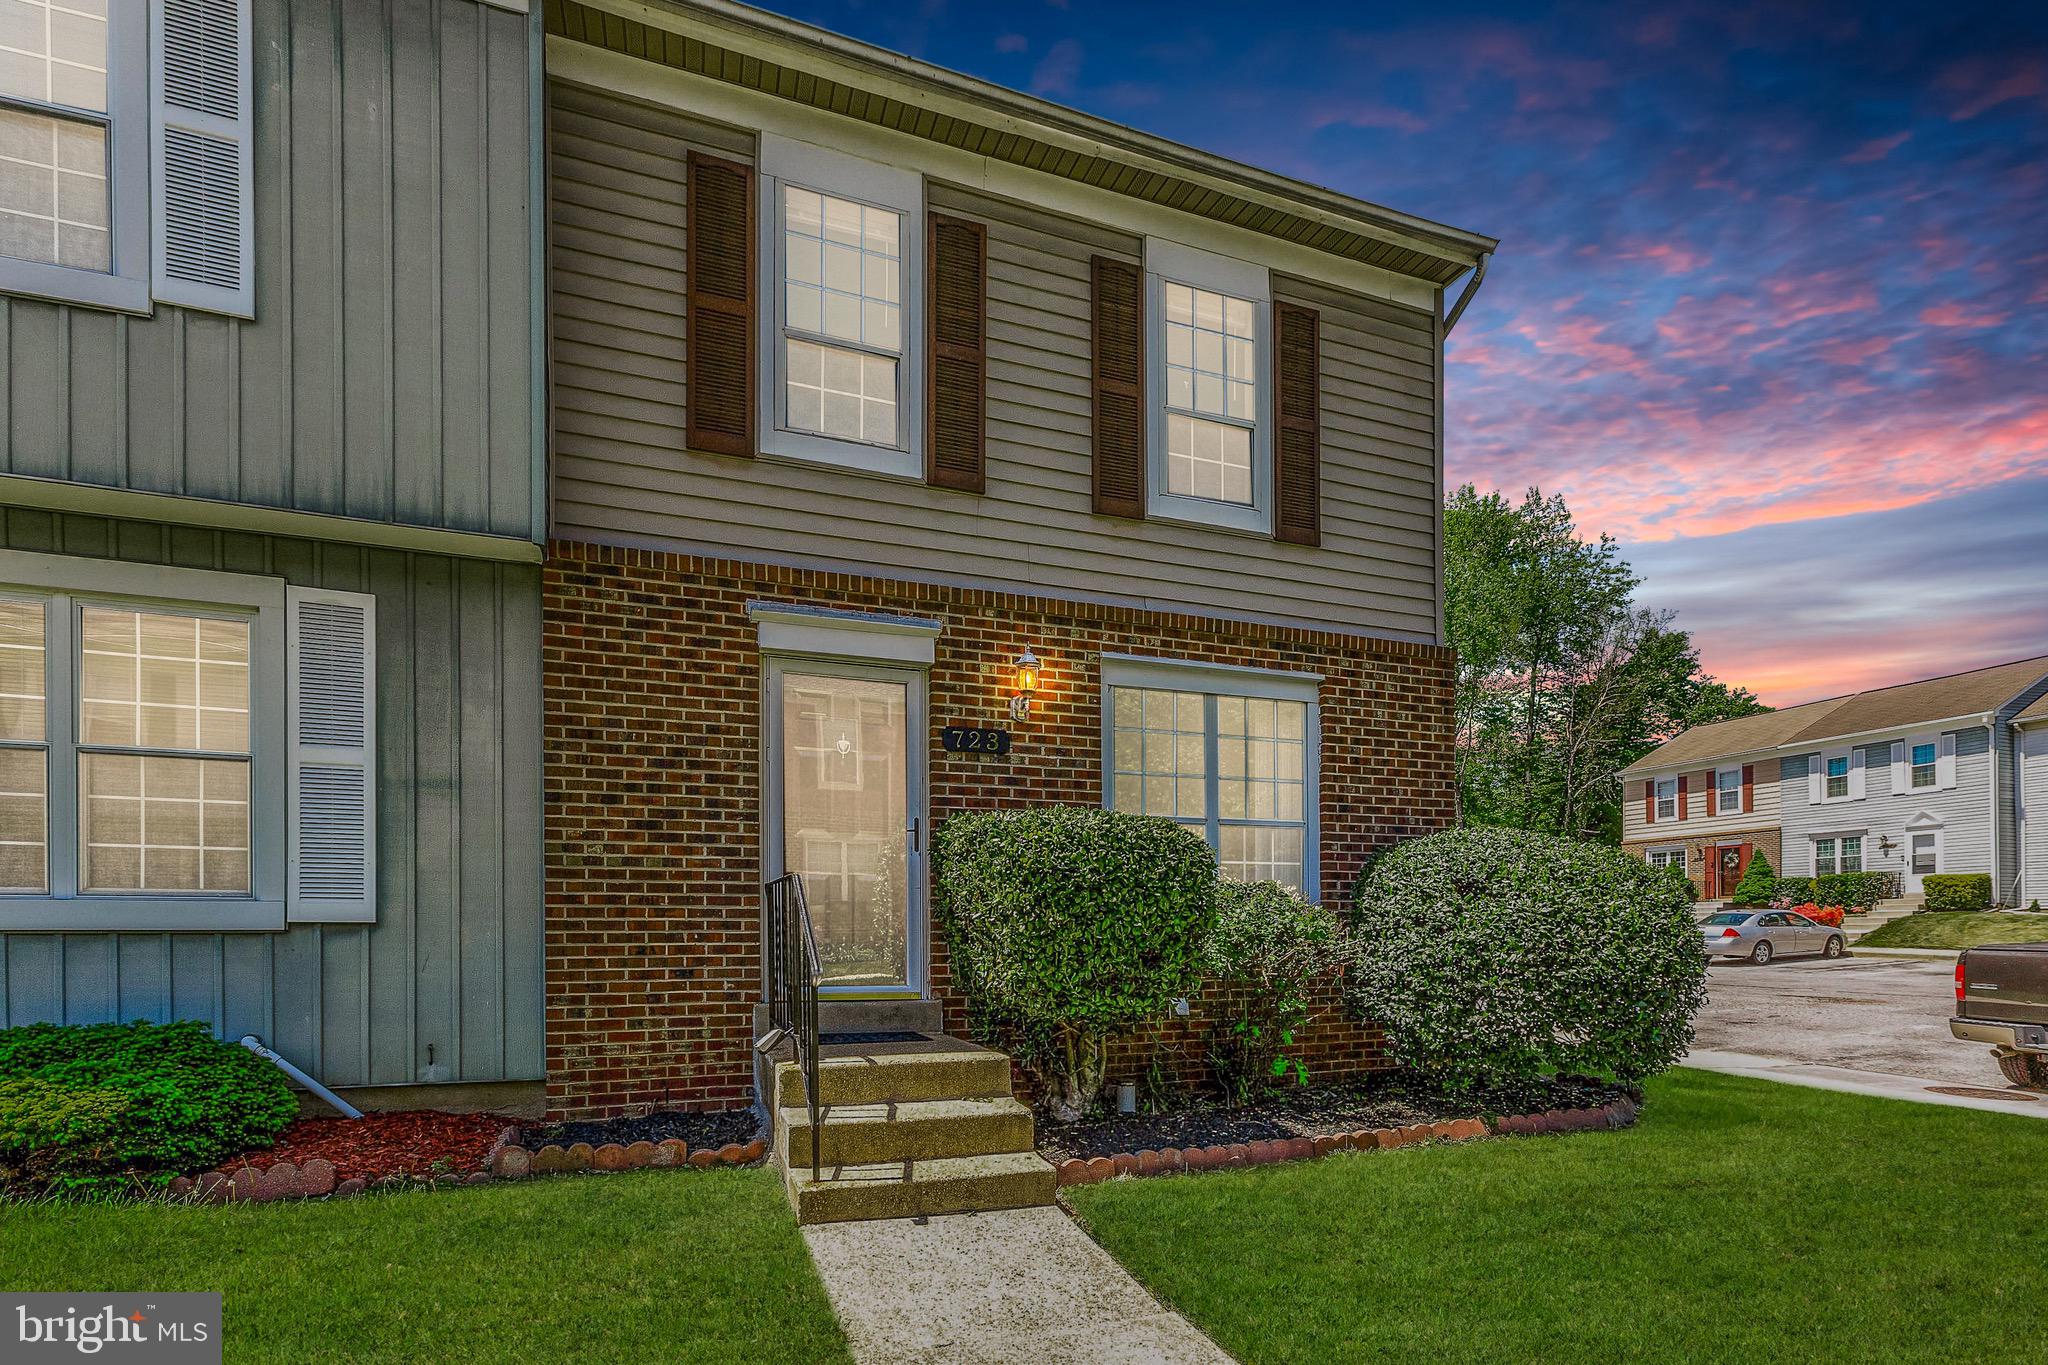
742 108
1858 739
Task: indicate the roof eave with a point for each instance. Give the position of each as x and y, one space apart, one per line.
745 23
1968 718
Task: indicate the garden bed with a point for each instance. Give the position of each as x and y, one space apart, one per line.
409 1144
1312 1112
712 1130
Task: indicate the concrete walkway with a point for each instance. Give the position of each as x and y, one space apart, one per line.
1022 1285
1883 1084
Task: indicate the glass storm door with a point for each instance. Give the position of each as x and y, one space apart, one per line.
1924 857
845 807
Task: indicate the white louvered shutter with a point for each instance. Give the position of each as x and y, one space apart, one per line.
333 653
1856 774
1902 779
202 178
1816 776
1945 762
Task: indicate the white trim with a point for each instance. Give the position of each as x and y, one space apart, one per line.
739 107
784 161
1658 816
822 632
67 581
1165 261
1194 675
1910 881
1889 732
125 287
1719 810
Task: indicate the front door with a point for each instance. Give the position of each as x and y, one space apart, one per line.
1923 855
845 809
1725 871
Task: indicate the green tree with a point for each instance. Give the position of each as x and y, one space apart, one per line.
1759 883
1562 679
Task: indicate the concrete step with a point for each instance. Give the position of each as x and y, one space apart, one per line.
933 1068
864 1134
905 1189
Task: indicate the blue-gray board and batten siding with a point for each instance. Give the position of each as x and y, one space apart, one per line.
389 371
452 968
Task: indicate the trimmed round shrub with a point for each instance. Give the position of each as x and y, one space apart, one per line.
1857 890
97 1109
1268 949
1066 924
1490 955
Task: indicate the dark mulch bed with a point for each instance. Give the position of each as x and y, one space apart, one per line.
699 1130
418 1143
1314 1111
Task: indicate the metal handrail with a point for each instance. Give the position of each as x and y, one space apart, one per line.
794 978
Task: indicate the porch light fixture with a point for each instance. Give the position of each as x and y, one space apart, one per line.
1027 685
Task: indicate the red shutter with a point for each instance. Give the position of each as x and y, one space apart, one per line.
1748 788
955 436
719 301
1684 781
1297 425
1650 801
1117 308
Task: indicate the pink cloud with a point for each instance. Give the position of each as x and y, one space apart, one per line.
1365 114
1012 42
1957 315
1856 350
1877 149
1667 257
1982 85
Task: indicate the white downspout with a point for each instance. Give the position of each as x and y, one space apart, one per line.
255 1045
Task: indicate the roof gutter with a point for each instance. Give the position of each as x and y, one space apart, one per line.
1471 288
1980 718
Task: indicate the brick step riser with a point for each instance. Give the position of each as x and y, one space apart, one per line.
869 1142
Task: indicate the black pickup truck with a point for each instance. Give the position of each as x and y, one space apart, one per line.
2002 999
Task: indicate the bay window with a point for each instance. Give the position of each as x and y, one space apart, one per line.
1230 753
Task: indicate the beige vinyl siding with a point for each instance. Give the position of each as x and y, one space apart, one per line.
621 474
1766 800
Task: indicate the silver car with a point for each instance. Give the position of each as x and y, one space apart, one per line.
1761 935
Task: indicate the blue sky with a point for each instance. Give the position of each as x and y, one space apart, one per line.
1772 299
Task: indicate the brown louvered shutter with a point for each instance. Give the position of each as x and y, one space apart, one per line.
955 453
719 223
1650 801
1297 425
1748 788
1684 783
1117 309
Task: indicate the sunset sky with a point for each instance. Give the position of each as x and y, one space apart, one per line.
1771 304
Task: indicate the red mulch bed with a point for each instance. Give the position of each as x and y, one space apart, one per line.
419 1143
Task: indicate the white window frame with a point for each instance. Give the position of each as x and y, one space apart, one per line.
64 584
1667 799
125 286
1848 757
1167 260
1226 680
1720 788
780 162
1667 852
1933 764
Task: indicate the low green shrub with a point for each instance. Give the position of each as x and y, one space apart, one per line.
87 1110
1798 890
1856 890
1758 885
1266 952
1067 924
1957 890
1494 954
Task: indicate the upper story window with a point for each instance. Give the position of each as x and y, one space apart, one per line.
1667 798
125 164
1836 777
1728 791
1231 754
1925 772
1207 327
842 359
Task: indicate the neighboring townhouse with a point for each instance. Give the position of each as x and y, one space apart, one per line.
1707 801
271 480
2030 761
1915 779
920 446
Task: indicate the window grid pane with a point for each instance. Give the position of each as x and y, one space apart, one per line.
158 681
23 670
837 392
53 190
55 52
1211 394
1262 853
1852 853
24 820
842 270
163 824
1730 792
1261 758
1159 763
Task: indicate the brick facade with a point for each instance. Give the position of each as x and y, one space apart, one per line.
653 733
1765 841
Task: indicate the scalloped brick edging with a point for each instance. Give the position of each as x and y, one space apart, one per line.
1173 1160
507 1161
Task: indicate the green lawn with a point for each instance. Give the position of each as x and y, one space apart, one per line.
643 1266
1739 1220
1956 929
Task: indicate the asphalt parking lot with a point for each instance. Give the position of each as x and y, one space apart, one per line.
1876 1014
